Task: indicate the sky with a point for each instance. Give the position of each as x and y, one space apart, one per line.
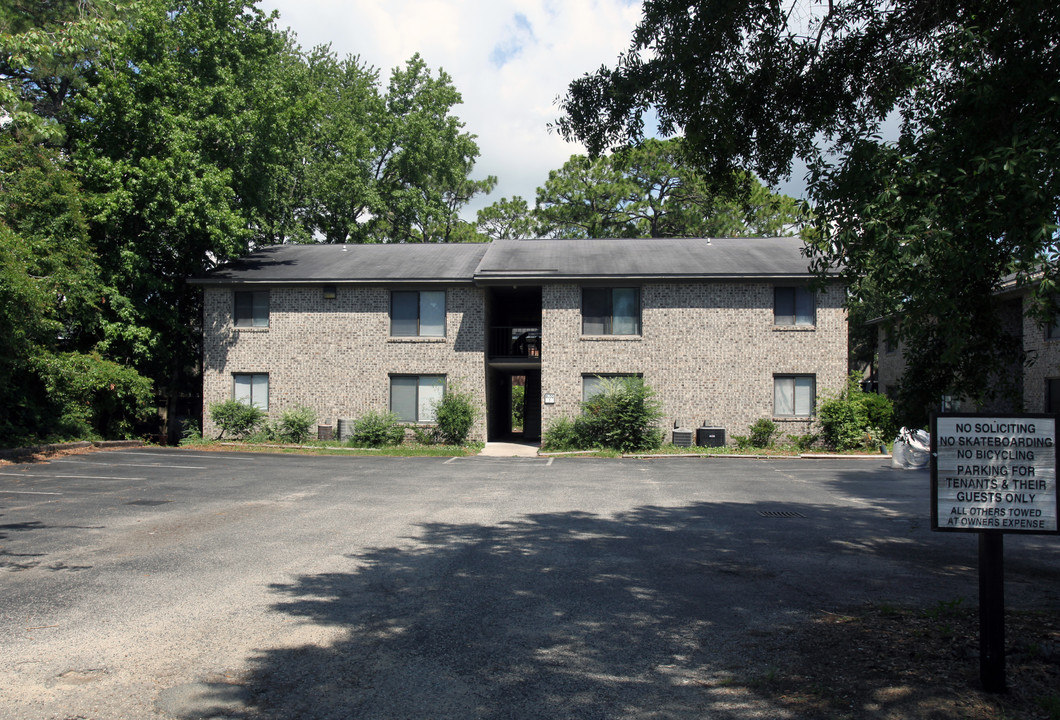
509 59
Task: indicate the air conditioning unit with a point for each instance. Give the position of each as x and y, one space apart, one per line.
683 438
710 436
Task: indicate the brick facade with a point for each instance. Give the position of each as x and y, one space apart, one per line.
709 350
1043 353
336 355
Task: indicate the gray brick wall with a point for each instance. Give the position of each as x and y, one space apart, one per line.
709 350
1043 354
336 356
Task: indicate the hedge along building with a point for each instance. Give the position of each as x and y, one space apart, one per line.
726 331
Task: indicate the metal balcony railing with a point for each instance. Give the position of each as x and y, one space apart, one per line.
515 341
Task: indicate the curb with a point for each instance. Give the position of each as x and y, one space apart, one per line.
55 447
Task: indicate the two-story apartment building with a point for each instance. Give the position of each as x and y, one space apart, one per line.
726 331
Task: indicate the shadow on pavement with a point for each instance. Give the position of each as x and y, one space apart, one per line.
661 612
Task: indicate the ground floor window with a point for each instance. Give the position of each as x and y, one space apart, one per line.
794 395
251 389
594 384
413 397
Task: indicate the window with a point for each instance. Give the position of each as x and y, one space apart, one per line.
1052 332
417 313
794 395
1052 395
252 308
413 397
610 311
593 384
251 389
793 306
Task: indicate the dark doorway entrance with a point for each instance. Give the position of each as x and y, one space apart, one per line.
515 404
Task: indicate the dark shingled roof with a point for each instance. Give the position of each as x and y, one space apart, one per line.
667 258
419 262
510 261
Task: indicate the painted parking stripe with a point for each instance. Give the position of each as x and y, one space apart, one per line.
26 492
150 465
212 456
38 476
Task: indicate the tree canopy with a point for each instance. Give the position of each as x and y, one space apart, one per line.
651 190
925 226
144 144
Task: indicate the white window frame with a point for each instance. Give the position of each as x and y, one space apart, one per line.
256 391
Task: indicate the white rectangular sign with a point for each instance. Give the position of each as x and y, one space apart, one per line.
994 473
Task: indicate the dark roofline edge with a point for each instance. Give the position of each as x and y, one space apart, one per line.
489 279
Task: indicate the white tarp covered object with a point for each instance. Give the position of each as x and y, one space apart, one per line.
912 449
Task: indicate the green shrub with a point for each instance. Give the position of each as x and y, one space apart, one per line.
880 414
562 434
236 418
424 436
91 396
622 416
296 425
191 434
455 415
518 405
762 433
376 429
803 443
854 419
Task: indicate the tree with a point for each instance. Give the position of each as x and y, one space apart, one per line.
53 380
424 161
924 228
174 139
507 219
651 190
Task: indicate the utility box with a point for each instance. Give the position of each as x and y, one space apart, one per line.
325 432
710 436
682 438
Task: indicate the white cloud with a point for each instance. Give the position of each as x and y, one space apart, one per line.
510 60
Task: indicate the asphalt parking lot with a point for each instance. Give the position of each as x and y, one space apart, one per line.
161 583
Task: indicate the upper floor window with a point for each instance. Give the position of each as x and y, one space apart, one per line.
794 395
610 311
793 306
251 389
252 308
417 313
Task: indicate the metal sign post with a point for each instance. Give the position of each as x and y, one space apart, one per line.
991 475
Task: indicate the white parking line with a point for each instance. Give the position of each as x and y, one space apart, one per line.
74 477
150 465
25 492
137 453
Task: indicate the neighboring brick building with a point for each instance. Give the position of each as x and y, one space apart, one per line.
1037 380
726 331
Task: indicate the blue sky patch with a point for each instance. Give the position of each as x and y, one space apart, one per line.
520 34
